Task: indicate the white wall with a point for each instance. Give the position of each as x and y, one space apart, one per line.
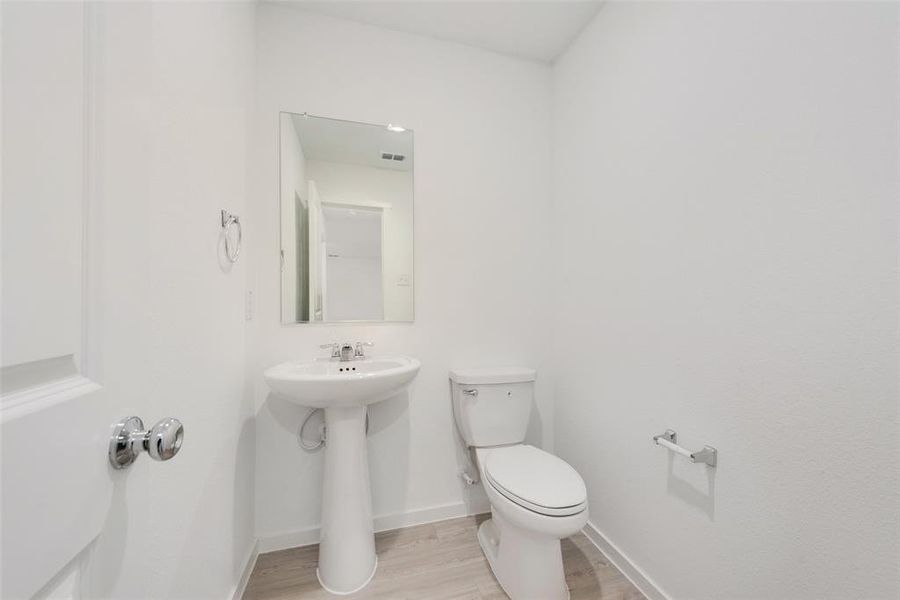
172 98
359 184
353 273
726 185
482 192
353 289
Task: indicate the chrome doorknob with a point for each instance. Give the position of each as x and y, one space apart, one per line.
162 441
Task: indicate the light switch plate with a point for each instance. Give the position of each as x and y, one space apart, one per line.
248 306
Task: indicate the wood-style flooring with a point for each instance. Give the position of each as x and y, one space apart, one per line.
436 561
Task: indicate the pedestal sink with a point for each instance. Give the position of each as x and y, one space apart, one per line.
344 389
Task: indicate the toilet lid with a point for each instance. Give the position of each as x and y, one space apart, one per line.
536 480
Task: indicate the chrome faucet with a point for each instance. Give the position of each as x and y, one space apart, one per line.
346 352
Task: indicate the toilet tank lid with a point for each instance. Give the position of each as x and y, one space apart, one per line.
493 375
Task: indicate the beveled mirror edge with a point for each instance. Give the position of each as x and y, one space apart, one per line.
278 256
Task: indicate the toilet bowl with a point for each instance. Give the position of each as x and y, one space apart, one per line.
536 498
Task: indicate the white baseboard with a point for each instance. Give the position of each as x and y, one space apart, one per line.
288 539
248 569
305 537
634 573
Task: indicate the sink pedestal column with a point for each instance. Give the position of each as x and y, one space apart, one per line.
347 558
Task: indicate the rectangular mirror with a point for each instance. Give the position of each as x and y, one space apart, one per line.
346 204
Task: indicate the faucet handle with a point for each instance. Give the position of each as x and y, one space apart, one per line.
335 349
360 352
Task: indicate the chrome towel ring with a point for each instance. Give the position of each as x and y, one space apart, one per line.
232 247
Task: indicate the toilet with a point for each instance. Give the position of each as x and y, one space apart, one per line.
536 498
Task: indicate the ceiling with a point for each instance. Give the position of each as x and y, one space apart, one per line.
538 30
333 140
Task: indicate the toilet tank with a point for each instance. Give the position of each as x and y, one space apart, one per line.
492 406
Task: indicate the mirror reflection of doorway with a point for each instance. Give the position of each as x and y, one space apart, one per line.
301 215
353 266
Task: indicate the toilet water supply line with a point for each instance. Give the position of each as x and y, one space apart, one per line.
464 472
323 431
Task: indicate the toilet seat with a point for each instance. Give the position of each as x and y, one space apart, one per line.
536 480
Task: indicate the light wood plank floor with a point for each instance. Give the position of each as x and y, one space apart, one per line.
436 561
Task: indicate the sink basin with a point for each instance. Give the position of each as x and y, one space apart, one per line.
325 383
344 389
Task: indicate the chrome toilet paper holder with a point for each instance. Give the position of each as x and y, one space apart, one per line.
707 455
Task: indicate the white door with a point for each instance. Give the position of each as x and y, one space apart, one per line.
55 414
123 139
317 255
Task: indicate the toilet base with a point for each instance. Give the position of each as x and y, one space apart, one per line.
527 566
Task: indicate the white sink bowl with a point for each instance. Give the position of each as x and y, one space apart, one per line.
325 383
